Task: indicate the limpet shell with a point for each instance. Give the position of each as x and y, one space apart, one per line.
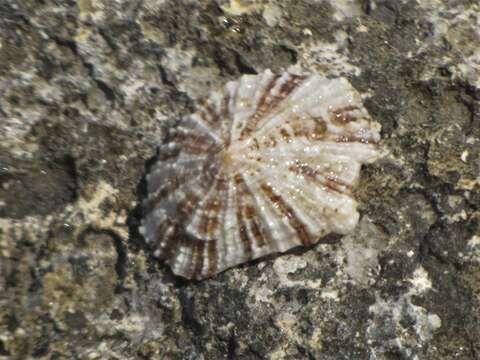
263 165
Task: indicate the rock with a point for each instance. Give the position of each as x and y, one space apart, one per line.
86 91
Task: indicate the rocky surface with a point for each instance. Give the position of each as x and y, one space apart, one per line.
85 90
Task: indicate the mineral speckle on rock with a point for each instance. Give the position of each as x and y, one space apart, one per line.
88 89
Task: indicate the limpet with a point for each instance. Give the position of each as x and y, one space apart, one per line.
265 164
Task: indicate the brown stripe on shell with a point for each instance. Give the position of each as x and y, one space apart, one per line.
203 223
319 130
287 211
255 227
252 215
209 221
262 108
271 142
151 203
195 143
298 126
311 174
342 116
265 107
212 257
205 118
212 112
331 185
243 234
313 128
338 182
170 186
186 208
213 222
290 85
285 134
242 226
205 179
166 239
198 258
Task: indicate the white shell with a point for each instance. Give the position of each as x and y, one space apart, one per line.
265 165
